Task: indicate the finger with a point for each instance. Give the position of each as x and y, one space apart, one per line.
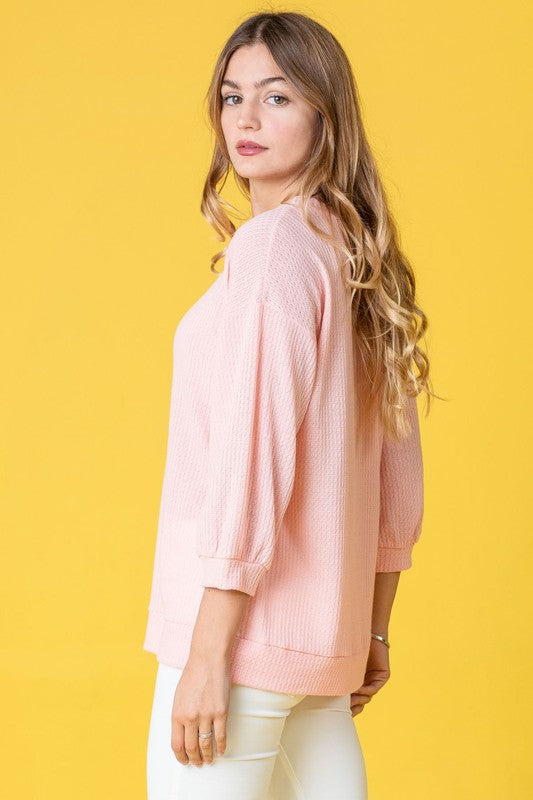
206 745
191 744
356 709
369 689
360 699
177 742
219 727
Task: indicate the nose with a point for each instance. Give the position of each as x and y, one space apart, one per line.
247 118
246 122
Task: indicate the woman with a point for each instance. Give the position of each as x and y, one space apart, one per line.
293 486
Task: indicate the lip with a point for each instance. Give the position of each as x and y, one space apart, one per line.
249 145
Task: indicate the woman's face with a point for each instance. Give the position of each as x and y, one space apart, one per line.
273 115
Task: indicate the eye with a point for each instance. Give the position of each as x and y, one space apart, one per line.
281 97
227 97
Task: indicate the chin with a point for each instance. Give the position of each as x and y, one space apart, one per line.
252 173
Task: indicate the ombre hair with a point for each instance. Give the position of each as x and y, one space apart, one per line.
342 173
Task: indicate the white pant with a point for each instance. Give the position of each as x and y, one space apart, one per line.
278 747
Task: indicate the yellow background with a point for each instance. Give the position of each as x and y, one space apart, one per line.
104 150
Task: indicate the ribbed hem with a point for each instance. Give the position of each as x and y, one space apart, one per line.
263 666
394 559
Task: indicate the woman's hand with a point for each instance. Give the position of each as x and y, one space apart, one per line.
201 704
377 673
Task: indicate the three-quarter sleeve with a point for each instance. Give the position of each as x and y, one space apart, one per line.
264 364
401 497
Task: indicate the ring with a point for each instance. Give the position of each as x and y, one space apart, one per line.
205 735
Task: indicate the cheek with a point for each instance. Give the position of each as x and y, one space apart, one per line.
293 132
223 124
226 121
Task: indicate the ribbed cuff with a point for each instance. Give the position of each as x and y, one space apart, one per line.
230 573
394 559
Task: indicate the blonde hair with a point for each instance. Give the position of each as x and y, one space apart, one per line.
342 173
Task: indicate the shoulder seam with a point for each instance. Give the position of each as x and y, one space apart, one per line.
265 304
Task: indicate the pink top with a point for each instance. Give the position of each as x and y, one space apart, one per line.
275 481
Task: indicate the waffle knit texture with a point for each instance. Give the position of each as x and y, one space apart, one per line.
278 481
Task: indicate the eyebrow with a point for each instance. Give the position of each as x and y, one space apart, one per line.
257 84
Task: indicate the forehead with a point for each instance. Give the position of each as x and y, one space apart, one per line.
250 64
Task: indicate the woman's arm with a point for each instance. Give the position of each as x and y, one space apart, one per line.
202 695
385 587
378 667
219 617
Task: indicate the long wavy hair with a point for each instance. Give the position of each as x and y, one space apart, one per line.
342 173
